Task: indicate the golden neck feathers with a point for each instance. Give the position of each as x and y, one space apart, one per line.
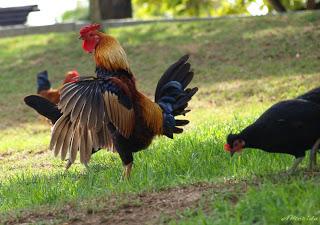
110 55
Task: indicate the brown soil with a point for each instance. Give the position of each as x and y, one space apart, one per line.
145 208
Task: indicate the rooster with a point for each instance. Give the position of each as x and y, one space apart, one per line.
107 110
45 103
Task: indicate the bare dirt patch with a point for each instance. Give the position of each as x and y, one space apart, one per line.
145 208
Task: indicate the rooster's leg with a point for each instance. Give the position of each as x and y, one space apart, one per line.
127 170
296 162
127 161
313 155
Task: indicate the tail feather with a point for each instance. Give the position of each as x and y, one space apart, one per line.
177 130
44 107
43 81
171 75
187 79
172 95
181 72
171 89
182 122
182 103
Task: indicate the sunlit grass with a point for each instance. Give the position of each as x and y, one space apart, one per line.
195 156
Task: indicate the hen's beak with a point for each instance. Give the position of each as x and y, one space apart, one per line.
232 153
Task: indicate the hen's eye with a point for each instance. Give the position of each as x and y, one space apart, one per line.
235 144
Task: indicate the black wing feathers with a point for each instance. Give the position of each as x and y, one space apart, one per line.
44 107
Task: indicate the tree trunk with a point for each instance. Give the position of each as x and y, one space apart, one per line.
95 14
277 5
311 4
115 9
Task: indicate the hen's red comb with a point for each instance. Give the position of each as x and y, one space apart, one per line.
72 76
227 147
73 73
88 28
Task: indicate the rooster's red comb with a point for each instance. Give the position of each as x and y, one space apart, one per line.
88 28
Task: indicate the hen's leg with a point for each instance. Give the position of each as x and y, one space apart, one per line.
313 155
95 150
69 163
87 167
296 162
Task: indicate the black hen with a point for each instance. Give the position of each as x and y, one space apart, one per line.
290 127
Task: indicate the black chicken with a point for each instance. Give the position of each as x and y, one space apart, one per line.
289 127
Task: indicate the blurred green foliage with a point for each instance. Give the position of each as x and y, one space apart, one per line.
293 4
176 8
80 13
196 8
189 8
289 4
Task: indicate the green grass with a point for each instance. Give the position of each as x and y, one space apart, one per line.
242 66
289 201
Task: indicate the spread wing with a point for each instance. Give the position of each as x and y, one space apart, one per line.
89 106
